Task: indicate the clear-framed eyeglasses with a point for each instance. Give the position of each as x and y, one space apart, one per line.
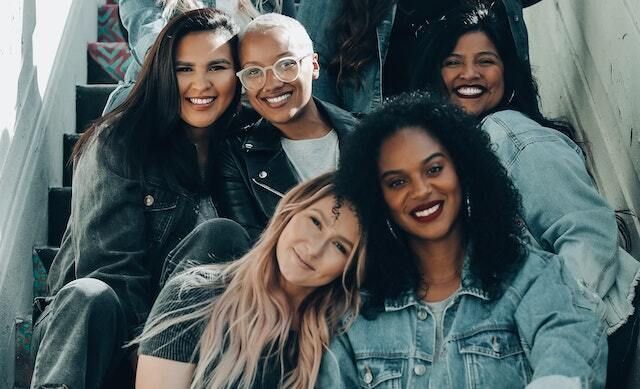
286 69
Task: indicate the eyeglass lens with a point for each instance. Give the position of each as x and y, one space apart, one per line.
285 70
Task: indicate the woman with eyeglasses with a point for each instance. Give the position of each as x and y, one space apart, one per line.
368 48
298 138
143 20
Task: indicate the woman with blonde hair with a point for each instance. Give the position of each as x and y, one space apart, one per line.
264 320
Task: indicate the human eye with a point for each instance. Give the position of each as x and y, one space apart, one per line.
434 170
395 183
287 63
340 247
253 72
451 61
315 221
183 69
487 61
217 67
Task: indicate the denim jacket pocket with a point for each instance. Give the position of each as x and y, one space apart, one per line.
159 209
379 373
494 358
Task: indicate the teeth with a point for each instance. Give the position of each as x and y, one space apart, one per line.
429 211
469 90
278 99
199 101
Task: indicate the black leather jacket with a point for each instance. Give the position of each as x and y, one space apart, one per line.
254 171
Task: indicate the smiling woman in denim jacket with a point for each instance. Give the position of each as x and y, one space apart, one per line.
368 48
473 61
142 183
455 299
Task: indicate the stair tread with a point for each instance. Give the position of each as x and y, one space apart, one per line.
59 212
90 102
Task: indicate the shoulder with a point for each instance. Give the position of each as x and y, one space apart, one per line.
193 288
343 121
517 127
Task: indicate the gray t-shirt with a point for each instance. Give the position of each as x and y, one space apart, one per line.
437 308
313 157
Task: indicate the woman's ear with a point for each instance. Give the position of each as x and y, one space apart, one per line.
316 66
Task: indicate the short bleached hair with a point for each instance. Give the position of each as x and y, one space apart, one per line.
299 37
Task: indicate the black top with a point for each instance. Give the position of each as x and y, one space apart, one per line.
410 28
180 342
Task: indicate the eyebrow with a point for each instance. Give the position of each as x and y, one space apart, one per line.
424 162
213 62
325 222
278 56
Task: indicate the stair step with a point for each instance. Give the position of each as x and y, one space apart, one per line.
59 211
68 142
107 62
110 28
90 101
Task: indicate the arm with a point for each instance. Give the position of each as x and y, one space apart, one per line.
561 327
234 197
563 210
160 373
108 231
143 21
338 369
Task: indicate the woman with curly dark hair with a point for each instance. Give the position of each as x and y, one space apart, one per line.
447 271
474 63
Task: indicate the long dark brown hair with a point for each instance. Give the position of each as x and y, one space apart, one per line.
357 39
146 129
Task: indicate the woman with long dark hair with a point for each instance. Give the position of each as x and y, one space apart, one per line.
141 202
453 297
144 19
368 48
264 320
474 63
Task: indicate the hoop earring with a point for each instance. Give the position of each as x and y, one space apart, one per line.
391 230
513 94
467 202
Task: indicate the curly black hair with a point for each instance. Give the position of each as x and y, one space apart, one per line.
493 235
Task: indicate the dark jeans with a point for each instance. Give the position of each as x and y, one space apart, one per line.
79 336
623 348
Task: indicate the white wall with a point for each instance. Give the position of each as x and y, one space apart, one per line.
43 51
586 56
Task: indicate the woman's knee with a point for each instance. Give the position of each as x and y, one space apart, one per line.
89 293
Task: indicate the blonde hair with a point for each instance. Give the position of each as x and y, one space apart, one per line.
172 8
252 315
298 35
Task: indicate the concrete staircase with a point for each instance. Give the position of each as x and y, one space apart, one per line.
107 61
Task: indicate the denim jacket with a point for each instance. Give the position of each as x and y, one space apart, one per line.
563 211
120 230
318 16
544 331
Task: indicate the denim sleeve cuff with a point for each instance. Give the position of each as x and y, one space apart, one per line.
555 382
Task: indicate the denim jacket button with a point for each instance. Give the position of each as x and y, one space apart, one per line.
148 200
419 370
422 314
262 174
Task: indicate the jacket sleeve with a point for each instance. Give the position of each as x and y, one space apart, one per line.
233 192
563 210
108 233
563 332
338 368
143 21
318 17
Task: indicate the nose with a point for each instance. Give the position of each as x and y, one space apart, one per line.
271 82
421 188
315 245
202 81
469 71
